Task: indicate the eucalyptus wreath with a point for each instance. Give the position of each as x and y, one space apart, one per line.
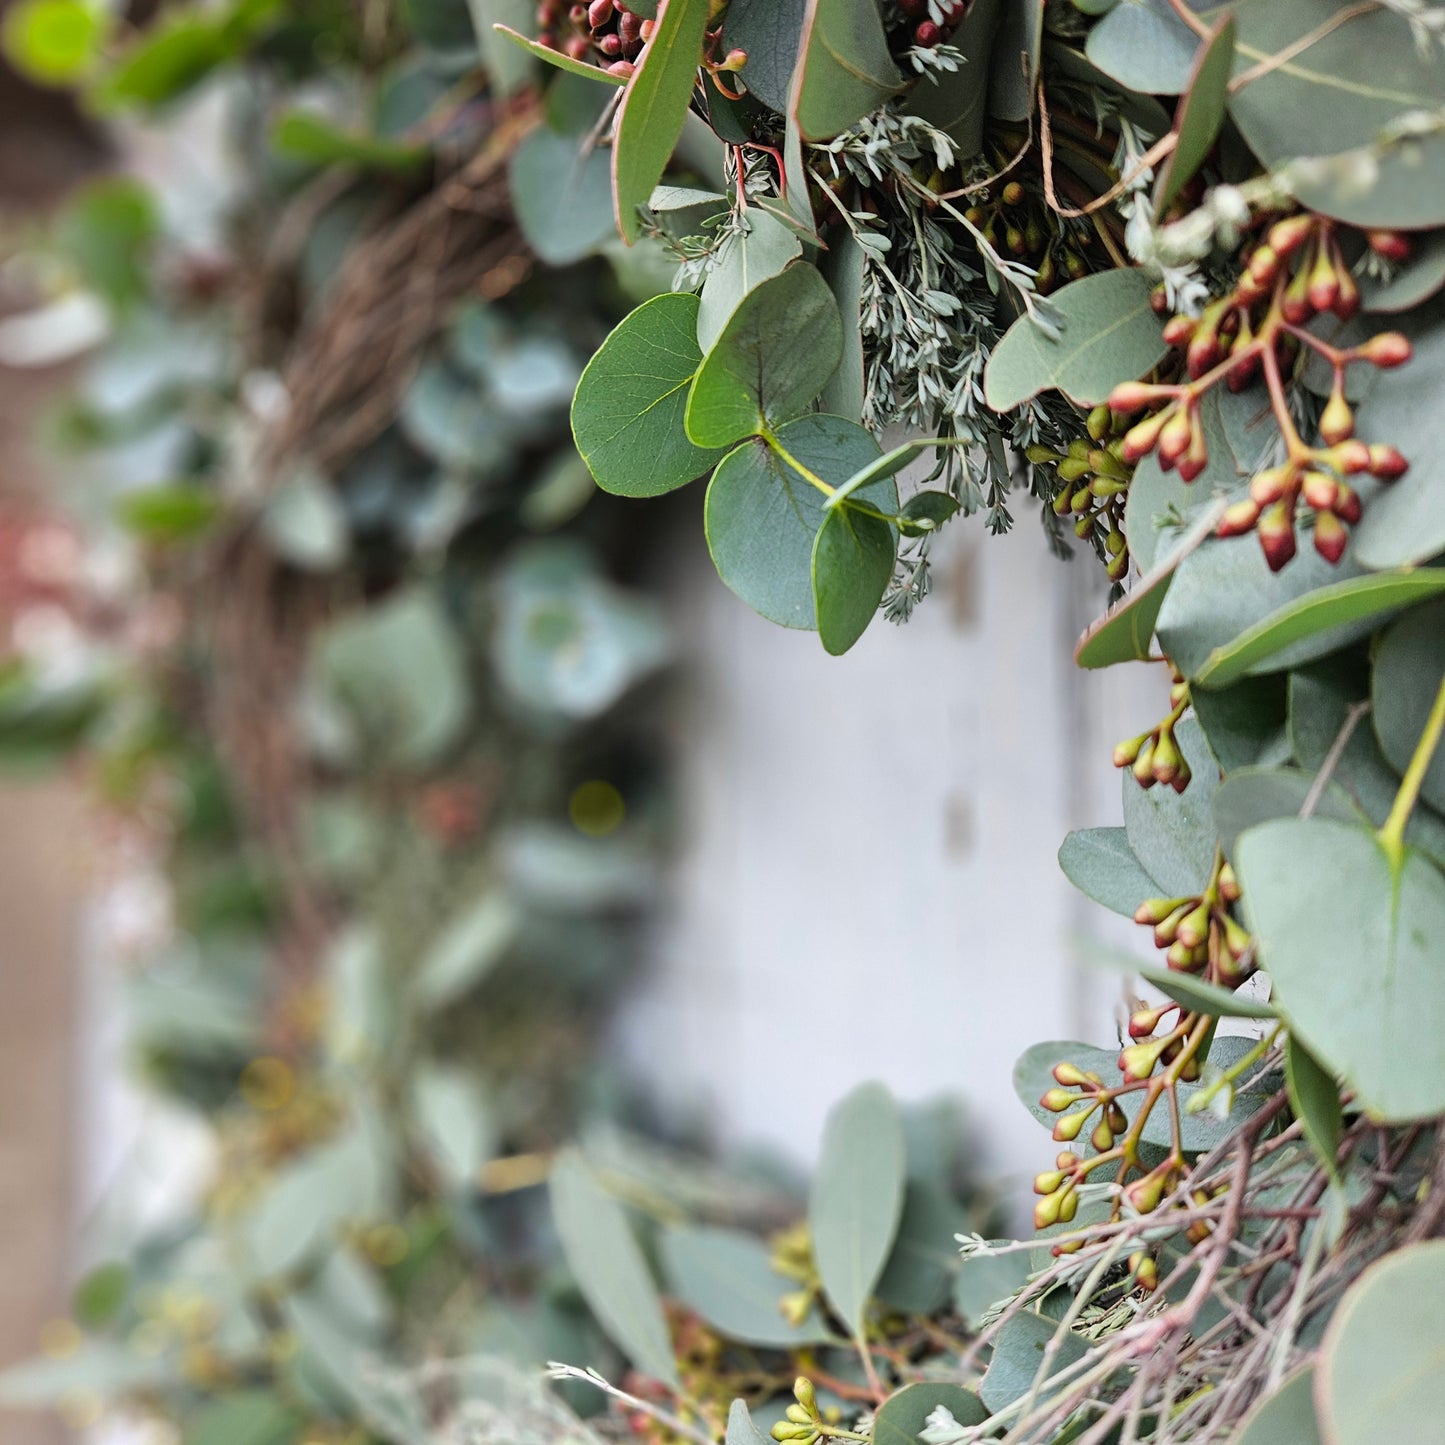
1173 271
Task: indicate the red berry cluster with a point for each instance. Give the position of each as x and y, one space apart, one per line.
605 31
926 32
1295 274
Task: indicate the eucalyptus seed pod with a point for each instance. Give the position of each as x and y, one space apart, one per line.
1385 462
1057 1100
1067 1129
1287 236
1337 421
1387 350
1320 490
806 1395
1047 1182
1144 764
1072 1076
1276 534
1131 396
1330 537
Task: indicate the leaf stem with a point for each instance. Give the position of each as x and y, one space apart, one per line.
807 475
1392 835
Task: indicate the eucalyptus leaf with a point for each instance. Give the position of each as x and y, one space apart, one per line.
1201 114
1339 93
1172 834
627 416
562 193
725 1276
956 101
1287 1417
1100 863
1409 668
1411 283
1244 725
857 1198
452 1117
654 108
1018 1357
853 557
919 1273
843 71
610 1269
985 1280
300 135
1404 522
778 349
762 517
1250 796
1144 46
1350 938
1109 334
1337 613
557 58
745 259
1208 998
768 32
902 1417
509 68
741 1430
1315 1098
466 948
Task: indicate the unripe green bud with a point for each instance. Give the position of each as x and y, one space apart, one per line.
1126 752
1103 1136
1041 455
1057 1100
786 1430
1118 1120
1068 1205
1046 1211
806 1395
1146 1193
1072 468
1137 1061
1236 939
1229 888
1156 910
1099 422
798 1415
1144 764
1194 927
1048 1181
1167 930
1167 758
794 1307
1070 1075
1114 544
1183 959
1067 1160
1066 1130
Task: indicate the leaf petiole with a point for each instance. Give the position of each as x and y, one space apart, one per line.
806 473
1392 834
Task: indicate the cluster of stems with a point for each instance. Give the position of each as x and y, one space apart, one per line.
1293 277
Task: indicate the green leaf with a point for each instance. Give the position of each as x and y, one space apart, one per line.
654 108
175 513
762 517
1018 1354
985 1280
1201 113
844 70
300 135
1109 334
466 949
1100 863
779 347
107 229
1172 834
926 512
768 32
1225 589
919 1273
1338 94
562 193
1381 1370
627 416
1327 611
857 1198
1209 998
843 266
1286 1417
903 1416
1319 701
1409 663
1125 632
956 102
741 1430
1015 61
1315 1098
558 59
1351 943
1415 281
509 68
1144 46
1244 725
450 1109
53 42
1250 796
610 1269
744 261
99 1296
853 556
248 1417
724 1275
305 522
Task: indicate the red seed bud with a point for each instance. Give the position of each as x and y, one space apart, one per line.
624 68
1178 330
1295 305
1264 265
1347 505
1348 458
1238 519
1143 437
599 13
1348 301
1276 534
1388 349
927 35
1320 490
1271 484
1389 244
1330 537
1385 462
1131 396
1289 235
1174 438
1196 458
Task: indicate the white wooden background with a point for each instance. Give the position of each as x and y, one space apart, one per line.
868 887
